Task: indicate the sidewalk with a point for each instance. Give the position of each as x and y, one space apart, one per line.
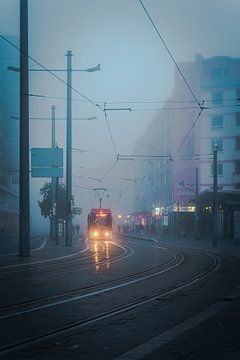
225 245
211 334
47 251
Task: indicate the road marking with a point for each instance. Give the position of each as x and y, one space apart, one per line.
162 339
95 292
44 261
39 248
160 247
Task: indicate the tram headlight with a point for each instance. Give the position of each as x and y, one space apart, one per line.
95 233
106 233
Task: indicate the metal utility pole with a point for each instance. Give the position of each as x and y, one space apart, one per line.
69 140
215 205
69 151
54 182
24 198
196 180
53 126
24 130
197 235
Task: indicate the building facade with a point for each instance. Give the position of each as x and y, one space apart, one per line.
186 138
9 140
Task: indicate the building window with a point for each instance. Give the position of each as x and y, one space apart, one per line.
217 98
237 166
217 121
218 142
237 143
238 119
219 169
238 95
217 73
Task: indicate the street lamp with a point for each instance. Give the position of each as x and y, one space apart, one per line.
215 186
24 92
69 145
24 197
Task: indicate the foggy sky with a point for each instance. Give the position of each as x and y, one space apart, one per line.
134 63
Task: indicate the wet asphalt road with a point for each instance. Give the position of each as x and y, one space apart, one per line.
126 299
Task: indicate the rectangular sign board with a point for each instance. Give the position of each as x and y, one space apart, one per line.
47 157
47 172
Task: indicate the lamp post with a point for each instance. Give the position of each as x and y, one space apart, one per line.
215 186
24 197
69 146
69 152
54 183
197 233
69 127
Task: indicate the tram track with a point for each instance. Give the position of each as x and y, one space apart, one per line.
64 329
57 267
88 291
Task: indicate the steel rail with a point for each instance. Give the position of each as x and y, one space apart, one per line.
63 263
107 314
90 290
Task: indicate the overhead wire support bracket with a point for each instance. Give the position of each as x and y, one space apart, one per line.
202 107
132 156
117 109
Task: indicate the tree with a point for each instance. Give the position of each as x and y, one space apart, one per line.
46 203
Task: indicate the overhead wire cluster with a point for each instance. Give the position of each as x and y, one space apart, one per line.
134 109
86 98
200 105
102 106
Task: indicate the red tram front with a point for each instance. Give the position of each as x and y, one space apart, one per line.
100 224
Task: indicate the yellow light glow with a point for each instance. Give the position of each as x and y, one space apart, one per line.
107 255
96 256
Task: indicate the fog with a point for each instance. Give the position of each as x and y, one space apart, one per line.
135 72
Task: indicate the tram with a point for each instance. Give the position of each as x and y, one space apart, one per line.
100 224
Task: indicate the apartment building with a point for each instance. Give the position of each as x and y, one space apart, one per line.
9 139
188 134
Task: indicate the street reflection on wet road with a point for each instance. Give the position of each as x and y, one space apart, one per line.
104 259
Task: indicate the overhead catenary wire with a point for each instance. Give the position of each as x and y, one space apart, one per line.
110 169
52 73
188 133
127 156
170 54
96 104
65 83
219 106
109 130
129 108
101 103
169 108
163 101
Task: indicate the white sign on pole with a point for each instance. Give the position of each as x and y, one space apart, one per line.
47 172
47 162
47 157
